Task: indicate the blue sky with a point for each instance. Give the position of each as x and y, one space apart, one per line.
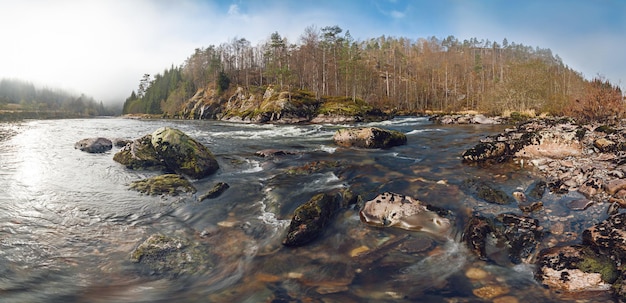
103 47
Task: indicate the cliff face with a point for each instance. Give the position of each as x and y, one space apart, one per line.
273 106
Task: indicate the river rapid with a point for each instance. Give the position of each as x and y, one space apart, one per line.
69 222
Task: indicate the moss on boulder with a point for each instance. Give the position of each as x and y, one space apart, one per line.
170 184
310 218
140 154
183 154
168 256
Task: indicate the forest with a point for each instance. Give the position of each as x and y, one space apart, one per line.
400 75
22 99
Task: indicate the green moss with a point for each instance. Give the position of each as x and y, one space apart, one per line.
591 263
164 184
343 106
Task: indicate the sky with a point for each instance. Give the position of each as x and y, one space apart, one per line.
102 48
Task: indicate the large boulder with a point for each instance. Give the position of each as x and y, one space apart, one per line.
140 154
391 209
183 154
94 145
369 137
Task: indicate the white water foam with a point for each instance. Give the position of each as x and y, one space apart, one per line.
328 149
255 166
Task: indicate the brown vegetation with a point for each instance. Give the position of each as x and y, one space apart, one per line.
389 73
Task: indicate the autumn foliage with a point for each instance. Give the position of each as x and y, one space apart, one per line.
402 75
599 101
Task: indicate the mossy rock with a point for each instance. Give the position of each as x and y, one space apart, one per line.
369 137
169 184
140 154
168 256
487 192
183 154
310 219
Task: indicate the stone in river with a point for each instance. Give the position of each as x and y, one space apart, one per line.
183 154
575 268
164 184
94 145
310 219
139 154
369 137
391 209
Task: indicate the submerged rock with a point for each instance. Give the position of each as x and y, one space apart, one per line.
369 137
391 209
183 154
487 192
94 145
170 184
215 192
518 235
164 255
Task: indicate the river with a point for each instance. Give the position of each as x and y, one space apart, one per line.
68 221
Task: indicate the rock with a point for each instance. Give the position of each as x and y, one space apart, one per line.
94 145
391 209
268 153
609 236
170 184
575 268
604 145
487 192
490 291
119 142
139 154
475 235
164 255
614 186
519 235
310 219
183 154
215 192
369 137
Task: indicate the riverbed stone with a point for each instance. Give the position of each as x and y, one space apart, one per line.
94 145
183 154
609 236
369 137
392 209
487 191
171 257
310 219
575 268
170 184
140 154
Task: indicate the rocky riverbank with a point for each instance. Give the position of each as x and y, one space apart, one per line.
586 159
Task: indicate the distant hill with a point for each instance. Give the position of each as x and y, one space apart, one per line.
21 99
391 74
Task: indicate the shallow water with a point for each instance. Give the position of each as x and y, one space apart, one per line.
68 221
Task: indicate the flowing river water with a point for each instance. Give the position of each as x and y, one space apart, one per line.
68 221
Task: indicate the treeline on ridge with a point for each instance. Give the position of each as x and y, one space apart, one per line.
389 73
21 99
